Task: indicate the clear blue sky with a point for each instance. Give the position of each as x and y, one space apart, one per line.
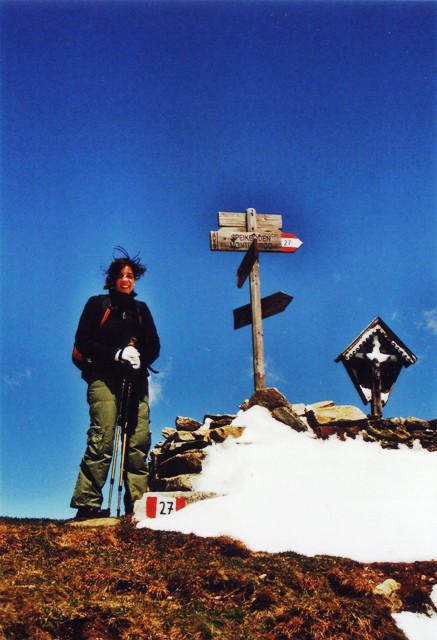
134 123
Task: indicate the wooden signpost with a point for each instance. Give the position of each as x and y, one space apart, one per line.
231 237
252 232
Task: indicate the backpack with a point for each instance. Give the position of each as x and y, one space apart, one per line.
79 360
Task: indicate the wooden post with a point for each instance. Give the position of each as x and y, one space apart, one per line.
255 300
376 402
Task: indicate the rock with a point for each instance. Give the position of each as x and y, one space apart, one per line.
392 432
177 483
352 432
167 432
335 415
324 432
288 417
188 496
269 398
402 436
415 424
380 428
388 589
219 420
298 409
182 454
173 448
182 436
187 424
159 456
94 522
220 434
201 439
396 422
189 462
389 445
322 404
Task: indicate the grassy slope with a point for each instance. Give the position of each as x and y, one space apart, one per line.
59 581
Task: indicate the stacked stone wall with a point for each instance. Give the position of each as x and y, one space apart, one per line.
176 462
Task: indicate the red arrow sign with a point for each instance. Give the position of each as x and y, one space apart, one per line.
290 242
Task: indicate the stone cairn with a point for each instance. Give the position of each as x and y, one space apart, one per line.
175 462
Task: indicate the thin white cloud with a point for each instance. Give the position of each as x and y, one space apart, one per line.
156 383
430 318
272 373
273 376
18 378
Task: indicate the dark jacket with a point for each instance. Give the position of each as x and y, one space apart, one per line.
127 319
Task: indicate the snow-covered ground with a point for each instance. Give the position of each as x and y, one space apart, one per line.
417 626
286 491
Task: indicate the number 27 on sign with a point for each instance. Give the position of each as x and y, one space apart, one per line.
289 242
159 506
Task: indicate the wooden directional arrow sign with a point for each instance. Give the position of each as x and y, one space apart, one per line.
238 239
270 306
246 265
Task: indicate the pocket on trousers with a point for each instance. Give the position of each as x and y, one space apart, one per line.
95 435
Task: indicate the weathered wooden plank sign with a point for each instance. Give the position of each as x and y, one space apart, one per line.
263 220
252 232
270 306
236 239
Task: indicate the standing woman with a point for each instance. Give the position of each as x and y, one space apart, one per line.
108 327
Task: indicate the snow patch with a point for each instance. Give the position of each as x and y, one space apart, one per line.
288 491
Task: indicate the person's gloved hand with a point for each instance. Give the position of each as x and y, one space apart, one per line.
129 355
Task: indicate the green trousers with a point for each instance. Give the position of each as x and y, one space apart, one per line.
104 399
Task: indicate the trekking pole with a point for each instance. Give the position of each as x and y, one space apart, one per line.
123 446
125 403
116 442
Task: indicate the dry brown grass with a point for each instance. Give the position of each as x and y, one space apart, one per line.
120 583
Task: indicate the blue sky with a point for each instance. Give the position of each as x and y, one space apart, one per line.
133 124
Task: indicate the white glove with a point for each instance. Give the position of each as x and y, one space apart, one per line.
130 355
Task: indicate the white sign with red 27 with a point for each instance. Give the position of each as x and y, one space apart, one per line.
161 505
290 242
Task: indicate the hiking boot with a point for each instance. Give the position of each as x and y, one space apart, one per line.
89 513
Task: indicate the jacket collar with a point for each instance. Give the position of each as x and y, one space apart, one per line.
122 300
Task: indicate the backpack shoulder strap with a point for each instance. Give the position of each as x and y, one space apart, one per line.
106 308
140 309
